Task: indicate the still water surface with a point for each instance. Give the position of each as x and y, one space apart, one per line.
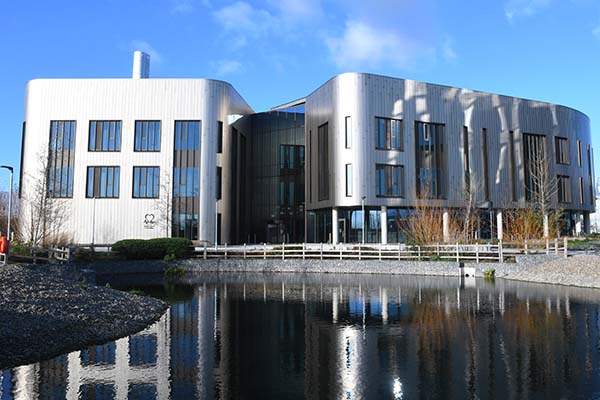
339 337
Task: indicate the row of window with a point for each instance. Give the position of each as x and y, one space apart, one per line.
103 182
105 136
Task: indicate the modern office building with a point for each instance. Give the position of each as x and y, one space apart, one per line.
145 157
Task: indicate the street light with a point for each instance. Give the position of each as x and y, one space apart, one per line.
362 200
10 169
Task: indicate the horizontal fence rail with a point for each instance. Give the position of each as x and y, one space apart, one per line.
458 252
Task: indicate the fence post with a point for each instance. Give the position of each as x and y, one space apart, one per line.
226 251
477 253
321 250
244 251
341 255
264 251
359 252
419 252
399 251
205 250
555 246
379 251
457 253
283 251
566 245
500 251
547 247
526 247
303 251
437 249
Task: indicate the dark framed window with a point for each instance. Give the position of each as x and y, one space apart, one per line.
348 132
146 182
105 136
513 176
388 134
466 161
581 191
430 159
323 151
389 180
185 182
561 150
564 188
579 154
103 182
219 183
219 136
147 136
484 157
61 158
349 186
187 135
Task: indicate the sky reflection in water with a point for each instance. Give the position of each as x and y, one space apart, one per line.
280 336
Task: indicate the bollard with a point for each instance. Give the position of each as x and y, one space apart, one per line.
244 251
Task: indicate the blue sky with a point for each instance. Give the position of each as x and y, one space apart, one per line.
273 51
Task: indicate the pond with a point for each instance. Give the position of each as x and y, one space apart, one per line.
233 336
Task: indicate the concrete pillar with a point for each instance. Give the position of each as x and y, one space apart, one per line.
586 223
546 227
334 226
578 224
384 227
499 224
446 225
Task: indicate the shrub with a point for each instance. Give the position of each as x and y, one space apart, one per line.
138 249
173 272
489 274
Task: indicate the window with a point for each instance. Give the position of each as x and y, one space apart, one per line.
147 136
103 182
430 160
323 137
535 164
389 180
185 182
145 182
348 132
579 154
564 188
219 137
581 192
590 176
388 134
348 180
219 183
187 135
466 165
512 171
105 136
561 150
61 157
484 149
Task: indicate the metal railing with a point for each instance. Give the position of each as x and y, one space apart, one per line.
458 252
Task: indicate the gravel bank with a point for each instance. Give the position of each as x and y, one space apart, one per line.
581 270
43 315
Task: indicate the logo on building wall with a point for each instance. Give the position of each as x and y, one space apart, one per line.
149 221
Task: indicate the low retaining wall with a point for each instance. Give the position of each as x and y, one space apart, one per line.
436 268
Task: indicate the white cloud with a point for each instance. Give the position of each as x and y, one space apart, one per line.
187 6
244 21
361 44
448 52
227 67
596 32
155 56
524 8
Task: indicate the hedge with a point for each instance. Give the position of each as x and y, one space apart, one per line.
138 249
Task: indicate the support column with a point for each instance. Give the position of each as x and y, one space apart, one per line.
578 224
499 225
586 223
446 225
546 227
334 226
384 227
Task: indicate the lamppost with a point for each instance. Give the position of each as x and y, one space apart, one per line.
10 169
362 201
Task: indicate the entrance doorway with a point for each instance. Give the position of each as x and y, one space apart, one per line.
342 230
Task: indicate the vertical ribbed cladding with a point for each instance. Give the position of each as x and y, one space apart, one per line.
141 65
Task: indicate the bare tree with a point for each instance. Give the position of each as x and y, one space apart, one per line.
541 187
471 212
43 215
164 204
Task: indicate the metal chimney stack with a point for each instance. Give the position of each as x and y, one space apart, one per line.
141 65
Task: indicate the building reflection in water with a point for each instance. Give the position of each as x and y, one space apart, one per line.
341 337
